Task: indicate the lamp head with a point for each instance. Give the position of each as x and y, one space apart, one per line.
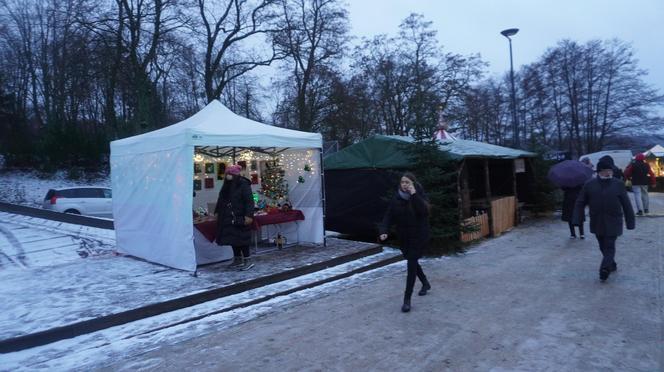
509 32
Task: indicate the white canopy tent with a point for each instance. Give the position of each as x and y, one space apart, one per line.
152 179
621 158
656 151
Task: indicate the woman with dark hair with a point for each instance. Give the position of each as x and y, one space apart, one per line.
235 211
409 211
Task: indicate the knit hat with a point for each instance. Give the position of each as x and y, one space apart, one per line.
640 157
234 170
605 163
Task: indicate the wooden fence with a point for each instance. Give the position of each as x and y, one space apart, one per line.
482 223
503 212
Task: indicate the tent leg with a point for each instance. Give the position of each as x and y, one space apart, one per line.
322 188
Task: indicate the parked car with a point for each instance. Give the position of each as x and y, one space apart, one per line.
85 200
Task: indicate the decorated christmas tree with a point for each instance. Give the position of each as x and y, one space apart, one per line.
273 184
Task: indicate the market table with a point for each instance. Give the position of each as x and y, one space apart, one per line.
208 226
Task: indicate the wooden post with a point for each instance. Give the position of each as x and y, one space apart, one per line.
516 197
487 185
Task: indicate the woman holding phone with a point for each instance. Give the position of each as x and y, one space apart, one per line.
409 211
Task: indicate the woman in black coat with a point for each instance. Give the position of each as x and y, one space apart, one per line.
409 211
235 211
569 199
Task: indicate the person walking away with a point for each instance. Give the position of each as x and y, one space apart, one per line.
587 162
235 211
569 199
608 204
409 211
641 175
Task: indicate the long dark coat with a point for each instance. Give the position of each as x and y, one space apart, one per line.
608 204
411 218
234 203
569 200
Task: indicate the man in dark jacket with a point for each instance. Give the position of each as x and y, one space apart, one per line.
641 175
235 212
608 203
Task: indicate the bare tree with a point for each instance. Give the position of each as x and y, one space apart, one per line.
411 76
314 33
235 33
602 89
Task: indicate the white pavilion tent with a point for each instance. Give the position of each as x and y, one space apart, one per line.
152 179
656 151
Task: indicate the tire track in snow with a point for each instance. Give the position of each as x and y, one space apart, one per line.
14 243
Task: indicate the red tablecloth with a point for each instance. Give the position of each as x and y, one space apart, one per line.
275 218
209 228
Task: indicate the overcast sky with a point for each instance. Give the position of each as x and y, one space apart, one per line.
473 26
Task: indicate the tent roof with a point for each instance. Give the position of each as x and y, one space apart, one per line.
216 125
387 152
657 151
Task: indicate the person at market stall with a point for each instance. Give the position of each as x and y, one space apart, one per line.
640 174
608 203
409 211
235 211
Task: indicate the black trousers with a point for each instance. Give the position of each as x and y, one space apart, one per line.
241 251
571 229
414 269
607 244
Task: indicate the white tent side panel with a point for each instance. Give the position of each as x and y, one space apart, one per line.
306 196
152 198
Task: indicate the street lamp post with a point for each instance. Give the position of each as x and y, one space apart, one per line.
515 124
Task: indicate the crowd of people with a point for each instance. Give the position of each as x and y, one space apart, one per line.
608 203
605 195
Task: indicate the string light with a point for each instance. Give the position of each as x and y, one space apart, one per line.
295 164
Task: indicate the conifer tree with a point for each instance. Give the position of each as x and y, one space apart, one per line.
273 184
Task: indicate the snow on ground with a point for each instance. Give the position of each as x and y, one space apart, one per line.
30 187
103 347
29 243
56 274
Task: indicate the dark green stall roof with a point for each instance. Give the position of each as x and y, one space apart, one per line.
386 152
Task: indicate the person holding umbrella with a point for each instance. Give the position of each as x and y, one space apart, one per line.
608 202
569 199
570 175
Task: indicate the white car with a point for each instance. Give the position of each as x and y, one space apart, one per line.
85 200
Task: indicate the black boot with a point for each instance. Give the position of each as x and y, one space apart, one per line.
406 304
425 287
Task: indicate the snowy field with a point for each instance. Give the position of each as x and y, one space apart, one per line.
29 187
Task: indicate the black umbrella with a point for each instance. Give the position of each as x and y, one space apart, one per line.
570 173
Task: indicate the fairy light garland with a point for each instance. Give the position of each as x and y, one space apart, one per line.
300 166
